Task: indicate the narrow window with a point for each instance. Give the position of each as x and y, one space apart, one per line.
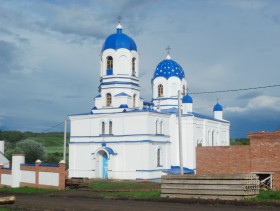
134 100
109 62
161 127
157 127
184 90
209 139
158 157
110 127
160 90
213 138
133 67
103 128
108 99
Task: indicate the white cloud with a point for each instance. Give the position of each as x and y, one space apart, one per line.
258 103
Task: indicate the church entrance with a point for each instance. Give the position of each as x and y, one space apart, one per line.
102 165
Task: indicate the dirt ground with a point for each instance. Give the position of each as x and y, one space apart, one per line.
86 200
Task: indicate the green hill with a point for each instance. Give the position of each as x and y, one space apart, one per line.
53 141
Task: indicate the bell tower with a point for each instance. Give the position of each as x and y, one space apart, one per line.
119 70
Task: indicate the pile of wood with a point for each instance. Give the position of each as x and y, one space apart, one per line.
76 183
7 200
225 187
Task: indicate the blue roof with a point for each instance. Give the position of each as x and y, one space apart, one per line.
218 107
110 150
176 170
168 68
122 94
148 103
94 108
123 106
119 40
98 96
187 99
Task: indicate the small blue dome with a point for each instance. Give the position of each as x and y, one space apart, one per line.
119 40
168 68
218 107
187 99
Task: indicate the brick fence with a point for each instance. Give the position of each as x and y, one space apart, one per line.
262 155
33 175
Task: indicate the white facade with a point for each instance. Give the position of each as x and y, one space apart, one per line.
125 138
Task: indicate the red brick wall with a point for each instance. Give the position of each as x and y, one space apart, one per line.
222 160
262 155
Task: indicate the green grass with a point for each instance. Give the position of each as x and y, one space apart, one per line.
126 189
54 149
124 185
26 190
134 194
268 196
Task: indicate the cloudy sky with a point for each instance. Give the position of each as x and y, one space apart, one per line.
49 56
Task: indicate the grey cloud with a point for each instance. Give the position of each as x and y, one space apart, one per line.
249 95
72 96
8 57
263 120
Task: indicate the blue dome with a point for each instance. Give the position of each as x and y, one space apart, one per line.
218 107
168 68
187 99
119 40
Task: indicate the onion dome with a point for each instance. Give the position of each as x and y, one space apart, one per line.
168 68
187 99
217 107
119 40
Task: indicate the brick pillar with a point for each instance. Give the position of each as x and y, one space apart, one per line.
62 175
37 163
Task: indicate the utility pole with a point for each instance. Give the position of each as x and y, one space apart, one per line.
180 132
65 136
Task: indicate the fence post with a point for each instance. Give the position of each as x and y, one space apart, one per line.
37 164
62 175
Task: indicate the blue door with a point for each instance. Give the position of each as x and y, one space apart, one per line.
104 166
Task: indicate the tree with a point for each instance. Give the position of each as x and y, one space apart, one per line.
32 150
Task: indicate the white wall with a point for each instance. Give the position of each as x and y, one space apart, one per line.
28 177
6 179
49 178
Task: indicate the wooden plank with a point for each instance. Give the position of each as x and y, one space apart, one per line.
209 177
222 182
7 200
205 196
209 192
210 187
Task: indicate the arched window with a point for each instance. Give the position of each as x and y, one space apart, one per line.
110 127
109 62
157 124
133 66
161 127
108 99
160 90
103 128
158 157
209 139
184 90
134 100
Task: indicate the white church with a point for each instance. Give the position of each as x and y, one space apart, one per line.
125 137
